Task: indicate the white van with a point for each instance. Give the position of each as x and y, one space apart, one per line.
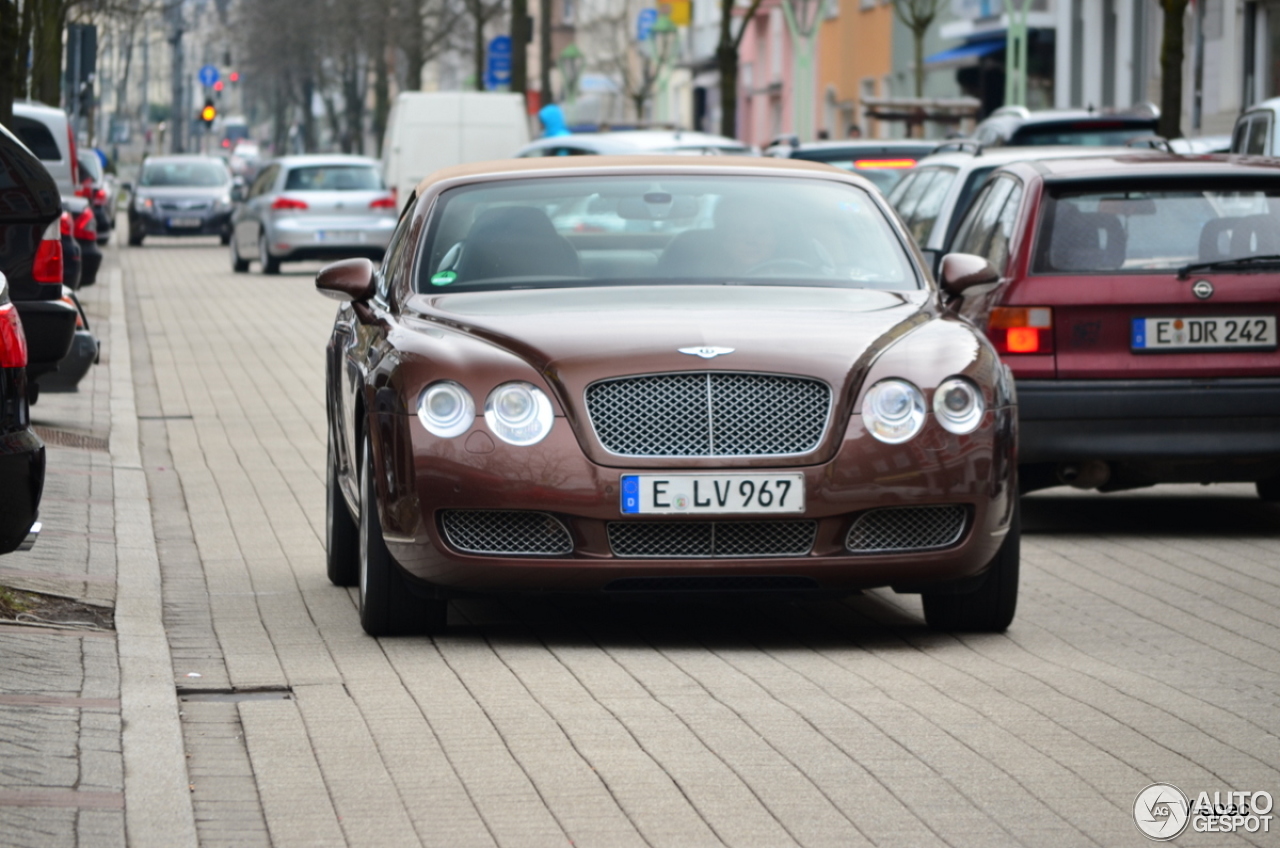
1254 132
427 131
46 131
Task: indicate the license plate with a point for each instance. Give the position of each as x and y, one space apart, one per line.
347 236
1235 332
705 494
186 223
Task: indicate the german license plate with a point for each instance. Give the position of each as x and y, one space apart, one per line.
186 223
1232 332
339 236
706 494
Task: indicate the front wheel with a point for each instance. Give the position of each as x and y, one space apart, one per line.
388 606
990 607
135 237
238 265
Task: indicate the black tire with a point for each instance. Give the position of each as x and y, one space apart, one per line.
224 237
270 265
990 607
1269 489
342 534
238 265
135 238
388 606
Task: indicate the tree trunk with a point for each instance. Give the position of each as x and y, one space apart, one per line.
126 57
1171 56
46 64
21 88
308 117
917 37
727 62
544 51
9 52
478 14
381 98
520 45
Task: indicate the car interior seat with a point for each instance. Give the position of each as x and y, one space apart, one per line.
1086 241
516 241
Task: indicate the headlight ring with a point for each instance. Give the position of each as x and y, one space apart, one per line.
446 409
893 411
958 405
519 413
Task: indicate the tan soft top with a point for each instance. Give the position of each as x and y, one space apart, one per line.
606 164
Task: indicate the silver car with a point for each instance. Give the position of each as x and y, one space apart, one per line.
312 207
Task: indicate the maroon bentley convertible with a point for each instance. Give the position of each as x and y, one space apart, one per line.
663 375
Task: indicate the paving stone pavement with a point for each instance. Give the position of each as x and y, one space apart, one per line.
1146 649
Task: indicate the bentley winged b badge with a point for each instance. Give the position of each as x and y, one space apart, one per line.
706 352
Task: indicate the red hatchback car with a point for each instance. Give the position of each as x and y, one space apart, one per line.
1137 308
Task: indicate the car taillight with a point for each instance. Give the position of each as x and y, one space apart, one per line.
288 203
86 225
13 345
226 142
64 223
383 203
99 197
884 163
70 301
85 190
1021 329
47 267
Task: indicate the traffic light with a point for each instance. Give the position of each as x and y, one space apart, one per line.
209 112
235 76
217 86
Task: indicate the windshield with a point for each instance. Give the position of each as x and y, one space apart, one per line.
1156 231
334 178
669 229
198 173
1087 133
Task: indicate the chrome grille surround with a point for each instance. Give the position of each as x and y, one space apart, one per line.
910 528
710 539
505 532
709 414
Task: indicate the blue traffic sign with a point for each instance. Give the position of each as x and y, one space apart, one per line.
498 67
208 75
644 23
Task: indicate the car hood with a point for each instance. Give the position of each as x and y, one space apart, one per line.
576 336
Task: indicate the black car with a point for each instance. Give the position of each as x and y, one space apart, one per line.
31 257
882 162
181 196
1016 126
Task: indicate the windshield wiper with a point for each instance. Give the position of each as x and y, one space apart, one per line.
1239 261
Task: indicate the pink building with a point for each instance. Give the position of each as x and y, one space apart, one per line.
765 77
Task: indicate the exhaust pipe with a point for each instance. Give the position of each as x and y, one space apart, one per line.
1089 474
29 542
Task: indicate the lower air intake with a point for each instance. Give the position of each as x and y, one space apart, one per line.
709 539
730 583
505 533
915 528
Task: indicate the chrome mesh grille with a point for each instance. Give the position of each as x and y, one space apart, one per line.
915 528
707 539
505 533
709 414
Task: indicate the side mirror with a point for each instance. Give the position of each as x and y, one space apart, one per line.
349 280
238 190
961 272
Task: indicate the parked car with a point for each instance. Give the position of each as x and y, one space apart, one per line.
21 451
635 142
181 196
882 162
768 399
31 257
1015 126
933 197
46 132
83 355
71 259
99 188
429 130
1137 307
84 229
312 207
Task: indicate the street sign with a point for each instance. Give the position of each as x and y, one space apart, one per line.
498 67
208 75
644 23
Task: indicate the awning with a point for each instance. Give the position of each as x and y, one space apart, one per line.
965 54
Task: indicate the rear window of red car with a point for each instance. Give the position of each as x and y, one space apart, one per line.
1138 230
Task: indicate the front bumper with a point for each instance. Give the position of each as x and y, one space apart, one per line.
1149 420
422 476
162 223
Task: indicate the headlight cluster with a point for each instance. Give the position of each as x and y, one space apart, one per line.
893 410
518 413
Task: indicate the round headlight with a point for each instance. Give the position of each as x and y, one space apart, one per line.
958 405
518 413
446 409
893 411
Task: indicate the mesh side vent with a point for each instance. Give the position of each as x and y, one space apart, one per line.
706 539
709 414
503 533
916 528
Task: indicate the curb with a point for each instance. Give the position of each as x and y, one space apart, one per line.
158 807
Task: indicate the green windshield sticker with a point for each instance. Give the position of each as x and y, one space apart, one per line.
443 278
